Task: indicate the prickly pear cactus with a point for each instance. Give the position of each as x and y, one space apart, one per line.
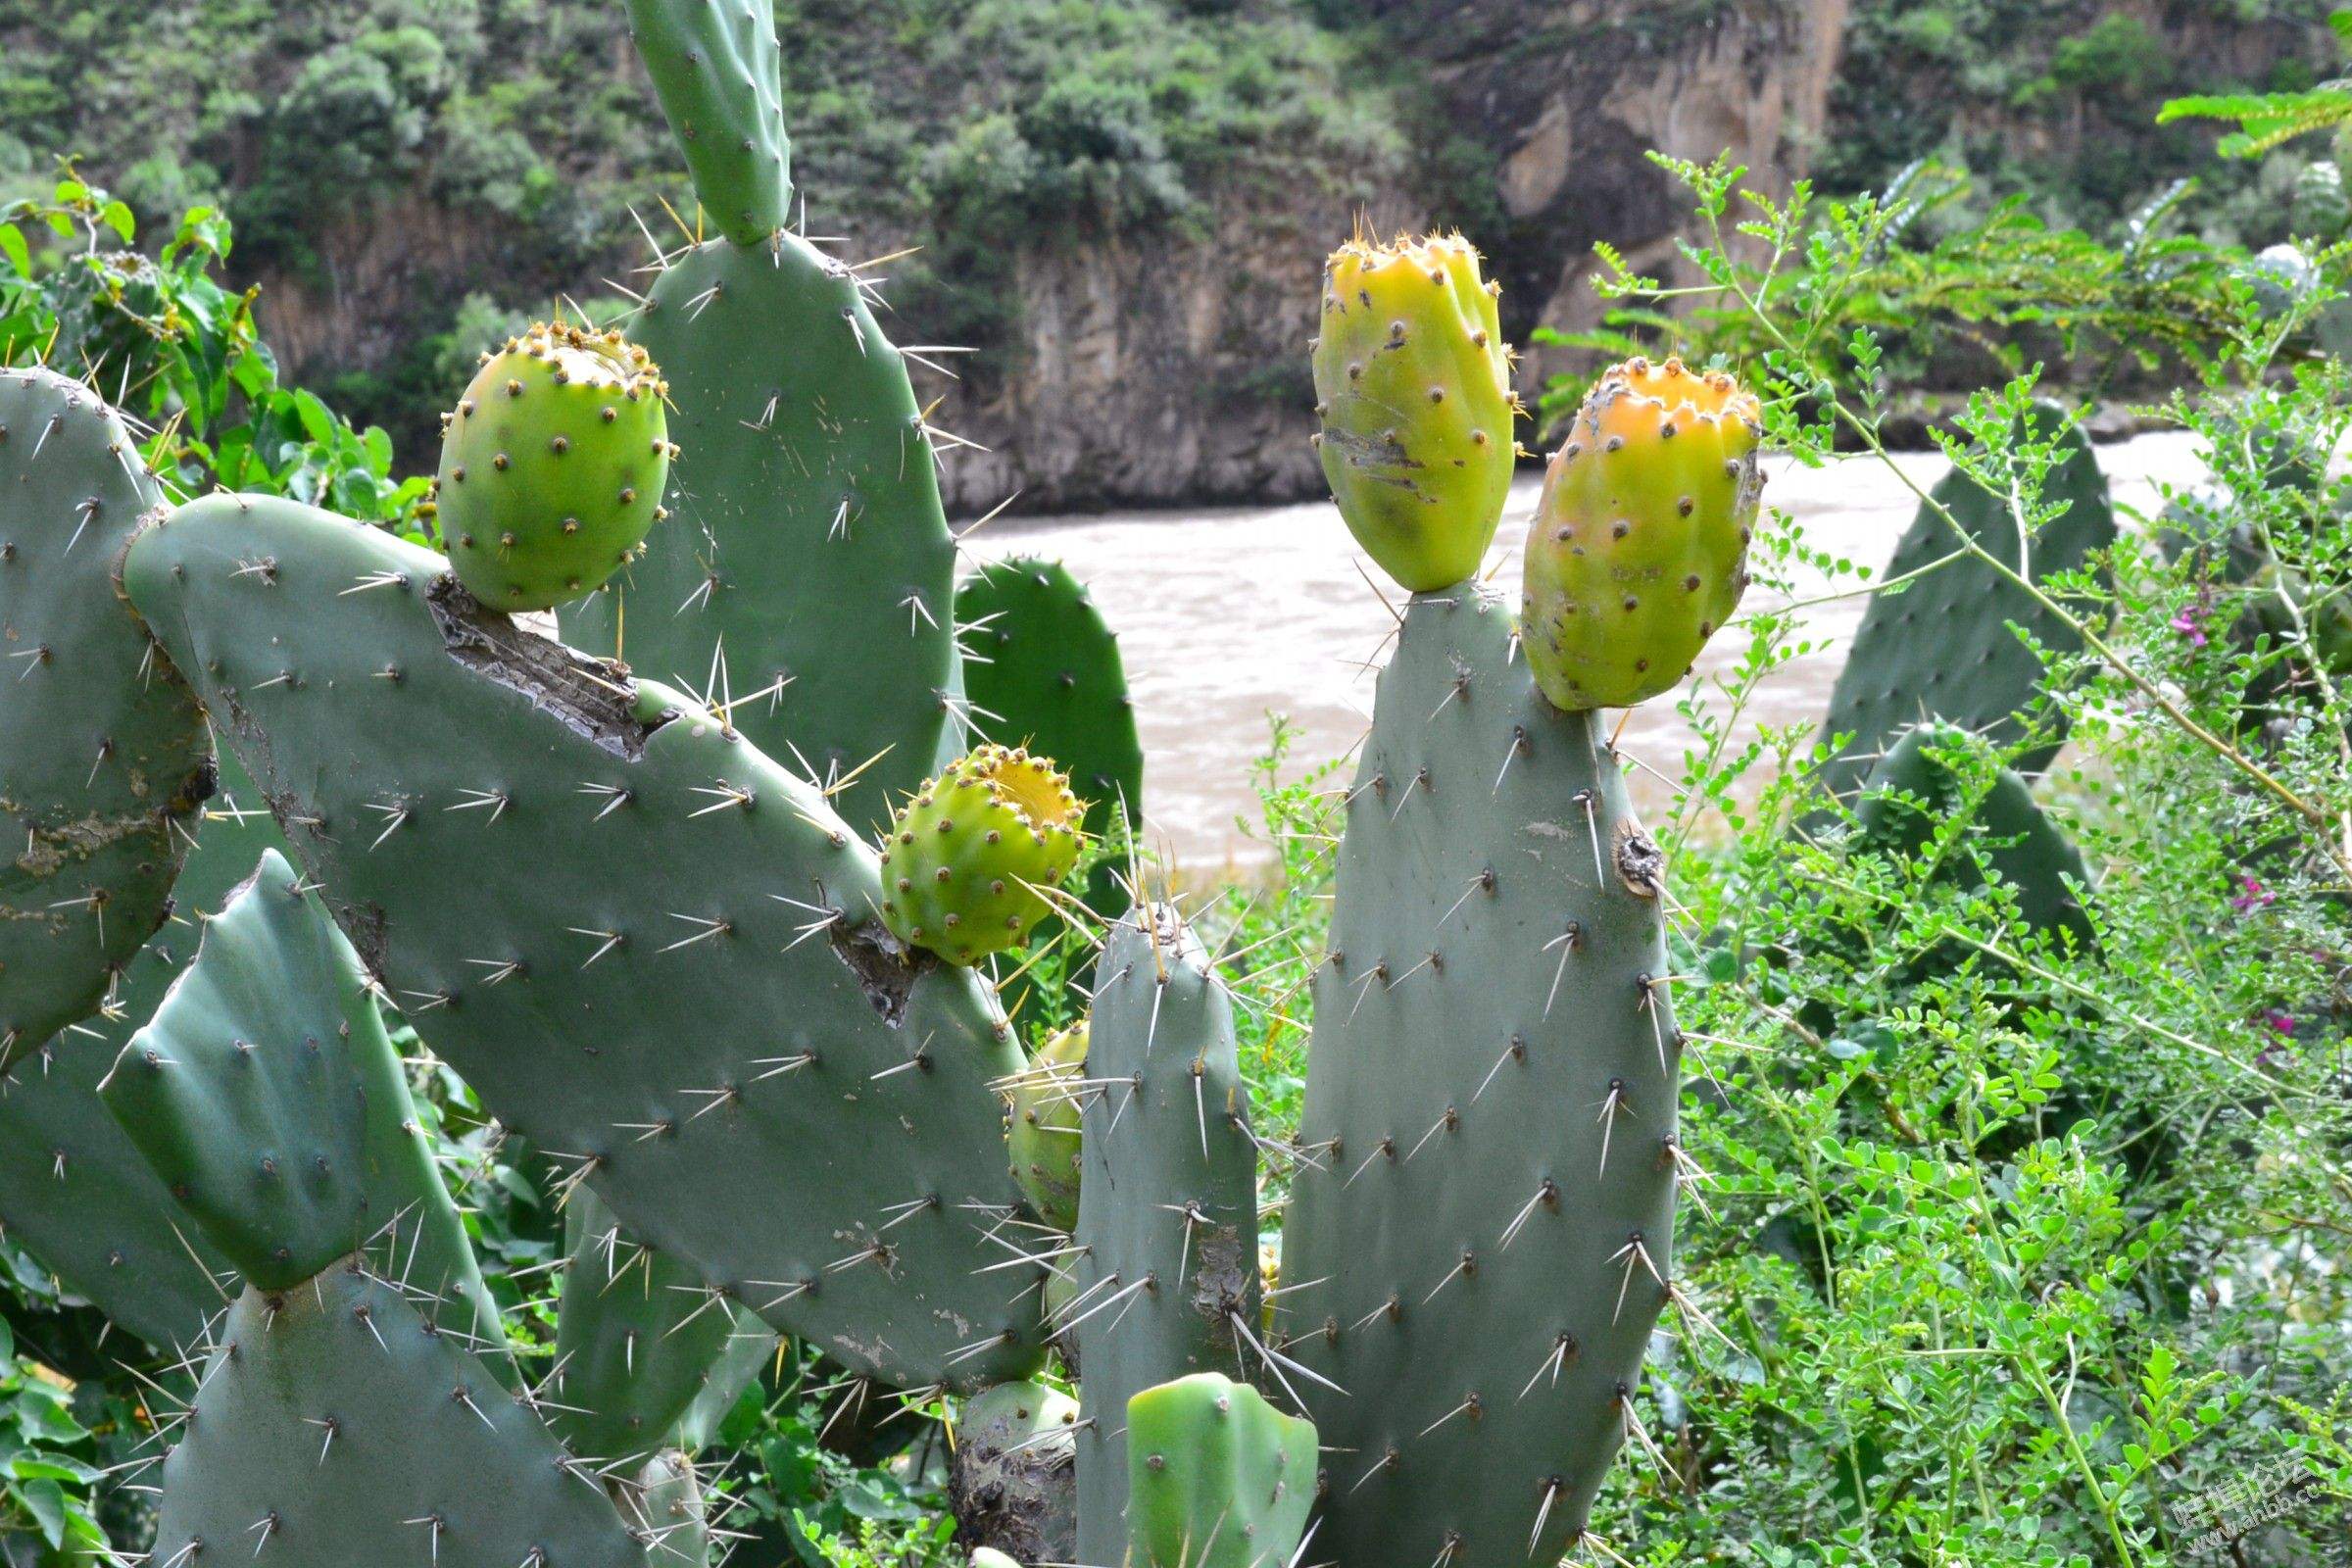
808 561
664 1507
1013 1480
1943 647
1413 389
1638 550
1482 1236
103 753
552 466
1168 1223
334 1427
971 859
1044 1128
670 967
1217 1477
267 1096
1921 783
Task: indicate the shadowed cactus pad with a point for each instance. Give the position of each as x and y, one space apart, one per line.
1045 1131
552 466
1413 389
967 859
1217 1478
1638 550
102 748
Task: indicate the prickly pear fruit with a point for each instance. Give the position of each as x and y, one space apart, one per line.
967 854
1013 1482
1216 1477
1044 1140
552 466
1414 388
1639 551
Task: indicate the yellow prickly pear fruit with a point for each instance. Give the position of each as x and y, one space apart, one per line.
970 858
1413 389
1639 551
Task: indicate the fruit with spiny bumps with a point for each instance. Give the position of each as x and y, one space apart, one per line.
1413 392
1217 1478
552 466
971 859
1044 1139
1638 550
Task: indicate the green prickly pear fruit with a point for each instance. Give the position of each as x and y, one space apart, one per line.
1638 550
1217 1478
552 466
1413 389
1045 1139
967 856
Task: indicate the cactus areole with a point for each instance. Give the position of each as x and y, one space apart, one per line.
1639 551
1414 390
969 861
552 466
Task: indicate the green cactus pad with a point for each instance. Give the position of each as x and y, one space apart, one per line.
1013 1483
638 1337
967 859
662 1505
103 753
1413 389
1638 550
1217 1477
334 1427
552 466
1167 1273
1920 783
715 66
1480 1225
1943 647
267 1096
73 1189
1044 1128
670 967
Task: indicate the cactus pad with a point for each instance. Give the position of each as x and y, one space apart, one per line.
1479 1241
1167 1226
715 66
552 466
1413 389
1218 1477
1013 1481
669 966
966 858
1638 550
1045 1125
103 752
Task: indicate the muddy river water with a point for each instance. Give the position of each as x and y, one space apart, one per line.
1229 615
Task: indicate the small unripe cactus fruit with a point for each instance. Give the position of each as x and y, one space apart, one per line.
1413 389
552 466
967 856
1638 550
1044 1140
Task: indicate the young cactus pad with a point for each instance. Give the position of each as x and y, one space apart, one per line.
1043 1134
268 1097
971 859
669 966
1217 1478
1638 550
1168 1223
1480 1228
552 466
1413 389
103 751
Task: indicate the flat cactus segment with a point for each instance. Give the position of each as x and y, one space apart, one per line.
1013 1481
715 66
1941 645
806 544
267 1094
1167 1222
103 751
1046 1125
73 1188
1481 1227
1918 784
334 1427
663 1506
1218 1477
1048 666
645 945
638 1336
